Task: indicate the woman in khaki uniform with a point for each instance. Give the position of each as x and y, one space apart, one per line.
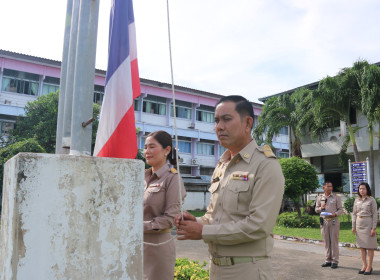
161 205
364 221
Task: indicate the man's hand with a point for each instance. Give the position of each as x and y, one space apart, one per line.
353 231
186 216
189 229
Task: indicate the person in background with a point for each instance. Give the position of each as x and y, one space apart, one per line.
330 225
247 187
364 221
161 206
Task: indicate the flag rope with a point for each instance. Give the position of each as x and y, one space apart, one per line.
175 132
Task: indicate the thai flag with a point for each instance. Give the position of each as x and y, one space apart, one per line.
116 136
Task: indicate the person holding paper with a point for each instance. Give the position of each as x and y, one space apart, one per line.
330 207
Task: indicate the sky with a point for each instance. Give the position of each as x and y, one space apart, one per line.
253 48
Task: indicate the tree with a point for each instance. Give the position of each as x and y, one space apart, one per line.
283 111
6 153
369 80
337 96
300 178
40 122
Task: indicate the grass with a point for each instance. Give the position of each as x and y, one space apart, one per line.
345 233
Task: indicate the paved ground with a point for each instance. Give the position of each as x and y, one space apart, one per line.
295 260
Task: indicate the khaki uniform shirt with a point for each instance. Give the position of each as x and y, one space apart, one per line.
333 205
246 194
366 207
161 198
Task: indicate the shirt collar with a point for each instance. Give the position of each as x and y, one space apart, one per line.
246 153
162 170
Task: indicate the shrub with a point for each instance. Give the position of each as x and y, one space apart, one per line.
290 220
349 204
6 153
186 269
310 207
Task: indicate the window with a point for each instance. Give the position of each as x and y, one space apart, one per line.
154 105
98 94
185 170
6 127
208 171
205 149
205 114
183 146
50 84
221 150
283 130
136 104
282 154
182 110
20 82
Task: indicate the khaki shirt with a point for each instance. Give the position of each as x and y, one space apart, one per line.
161 198
366 207
246 194
333 205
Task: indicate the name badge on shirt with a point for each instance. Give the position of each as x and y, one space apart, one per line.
240 176
154 185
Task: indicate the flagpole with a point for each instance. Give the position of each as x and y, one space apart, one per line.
174 112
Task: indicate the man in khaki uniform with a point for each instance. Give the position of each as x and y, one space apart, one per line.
246 192
330 225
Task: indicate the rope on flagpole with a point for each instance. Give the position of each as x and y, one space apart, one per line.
175 132
174 112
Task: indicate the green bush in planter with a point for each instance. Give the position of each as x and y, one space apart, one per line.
186 269
290 220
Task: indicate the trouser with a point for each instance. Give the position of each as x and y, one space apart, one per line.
330 234
256 270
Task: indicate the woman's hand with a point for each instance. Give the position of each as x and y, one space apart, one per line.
373 232
353 231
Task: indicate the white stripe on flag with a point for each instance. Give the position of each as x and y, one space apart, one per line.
132 41
117 101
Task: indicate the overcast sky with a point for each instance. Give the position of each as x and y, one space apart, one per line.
254 48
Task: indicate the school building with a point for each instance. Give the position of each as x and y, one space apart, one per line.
23 78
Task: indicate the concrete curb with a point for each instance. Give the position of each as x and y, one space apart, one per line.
315 241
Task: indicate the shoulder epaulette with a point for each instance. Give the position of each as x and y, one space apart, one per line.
173 170
268 151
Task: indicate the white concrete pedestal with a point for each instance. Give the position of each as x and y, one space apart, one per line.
71 217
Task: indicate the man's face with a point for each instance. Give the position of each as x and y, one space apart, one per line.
328 187
230 129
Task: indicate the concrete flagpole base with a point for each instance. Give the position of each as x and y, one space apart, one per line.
72 217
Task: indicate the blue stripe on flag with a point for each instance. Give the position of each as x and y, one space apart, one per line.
118 49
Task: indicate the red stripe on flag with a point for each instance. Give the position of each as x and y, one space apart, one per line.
135 79
123 141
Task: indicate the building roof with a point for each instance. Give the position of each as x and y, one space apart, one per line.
290 91
55 63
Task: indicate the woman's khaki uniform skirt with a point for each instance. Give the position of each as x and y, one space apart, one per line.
159 260
363 230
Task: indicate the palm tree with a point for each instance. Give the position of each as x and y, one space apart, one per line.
337 96
283 111
370 93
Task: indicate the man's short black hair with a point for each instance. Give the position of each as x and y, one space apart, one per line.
243 106
327 182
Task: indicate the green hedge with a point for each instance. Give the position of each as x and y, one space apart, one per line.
290 220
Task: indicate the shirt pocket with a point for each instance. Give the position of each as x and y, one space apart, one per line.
238 196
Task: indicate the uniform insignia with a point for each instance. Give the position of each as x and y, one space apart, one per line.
240 176
173 170
268 151
220 174
246 155
154 185
216 179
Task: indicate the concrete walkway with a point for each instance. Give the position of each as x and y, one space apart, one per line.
295 260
